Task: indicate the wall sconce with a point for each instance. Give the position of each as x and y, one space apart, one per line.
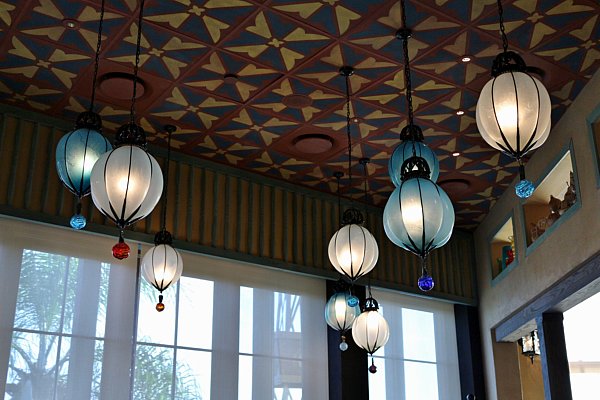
530 345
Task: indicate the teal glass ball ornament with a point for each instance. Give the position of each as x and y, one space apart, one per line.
524 189
78 222
353 301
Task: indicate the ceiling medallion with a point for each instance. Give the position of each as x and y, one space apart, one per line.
119 86
297 101
313 143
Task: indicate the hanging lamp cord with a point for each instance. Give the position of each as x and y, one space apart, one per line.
97 59
338 176
348 133
137 61
364 162
166 185
407 78
502 29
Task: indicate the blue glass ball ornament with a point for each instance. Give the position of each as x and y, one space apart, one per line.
404 151
343 346
524 188
353 301
76 154
78 222
426 282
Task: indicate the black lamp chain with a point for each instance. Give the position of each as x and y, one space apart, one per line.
349 133
407 78
137 61
424 270
366 174
339 198
166 184
502 29
97 59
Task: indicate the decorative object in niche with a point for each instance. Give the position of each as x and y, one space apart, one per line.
557 209
554 195
508 254
502 249
571 195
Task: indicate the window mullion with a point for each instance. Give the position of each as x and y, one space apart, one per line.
174 378
120 331
262 343
85 317
225 341
10 272
61 327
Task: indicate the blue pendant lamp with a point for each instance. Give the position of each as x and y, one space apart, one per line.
341 311
79 149
514 110
412 141
419 216
127 182
411 135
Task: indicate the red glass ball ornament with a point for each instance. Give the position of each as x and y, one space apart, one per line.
120 251
372 369
160 307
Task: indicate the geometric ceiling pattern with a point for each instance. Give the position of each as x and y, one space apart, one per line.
246 80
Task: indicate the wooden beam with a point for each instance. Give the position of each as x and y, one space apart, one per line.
581 283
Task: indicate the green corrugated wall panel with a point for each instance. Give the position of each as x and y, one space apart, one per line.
221 211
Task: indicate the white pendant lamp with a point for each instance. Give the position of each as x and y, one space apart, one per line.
162 265
352 250
370 330
514 110
127 182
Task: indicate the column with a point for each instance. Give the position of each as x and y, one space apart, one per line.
348 373
555 363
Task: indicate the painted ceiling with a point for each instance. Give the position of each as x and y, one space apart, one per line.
244 79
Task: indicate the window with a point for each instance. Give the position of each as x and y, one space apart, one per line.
173 352
58 333
420 359
66 315
229 330
583 354
270 323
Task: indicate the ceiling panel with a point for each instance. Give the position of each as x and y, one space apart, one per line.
246 81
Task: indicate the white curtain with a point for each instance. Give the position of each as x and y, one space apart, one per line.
420 361
230 330
66 319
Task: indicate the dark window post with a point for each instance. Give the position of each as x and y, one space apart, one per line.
348 370
555 364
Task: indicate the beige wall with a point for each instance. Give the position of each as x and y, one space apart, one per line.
570 243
